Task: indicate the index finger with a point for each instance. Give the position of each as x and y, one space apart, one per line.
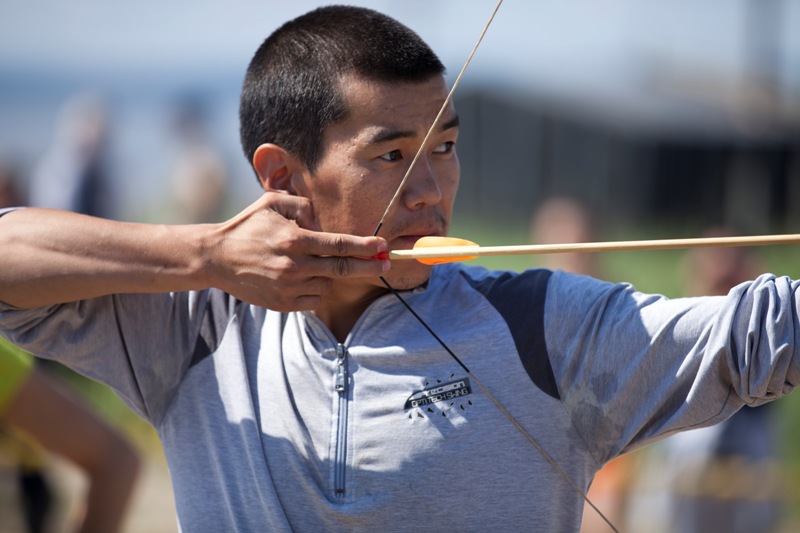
342 245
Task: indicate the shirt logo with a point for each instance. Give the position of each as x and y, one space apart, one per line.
452 392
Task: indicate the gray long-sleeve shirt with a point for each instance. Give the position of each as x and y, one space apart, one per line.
269 424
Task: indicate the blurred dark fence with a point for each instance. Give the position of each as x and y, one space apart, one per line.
516 152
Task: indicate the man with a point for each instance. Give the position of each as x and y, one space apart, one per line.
291 392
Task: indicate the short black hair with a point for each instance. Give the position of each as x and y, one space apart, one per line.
291 90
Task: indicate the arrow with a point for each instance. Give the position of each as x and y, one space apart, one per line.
436 250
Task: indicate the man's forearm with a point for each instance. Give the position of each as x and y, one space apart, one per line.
271 254
51 257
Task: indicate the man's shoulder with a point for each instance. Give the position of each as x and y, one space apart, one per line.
484 279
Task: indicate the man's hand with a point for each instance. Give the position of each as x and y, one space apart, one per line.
273 255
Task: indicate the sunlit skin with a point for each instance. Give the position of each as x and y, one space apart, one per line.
365 158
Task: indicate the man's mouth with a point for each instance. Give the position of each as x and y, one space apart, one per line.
407 242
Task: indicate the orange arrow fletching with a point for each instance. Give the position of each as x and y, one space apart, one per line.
439 242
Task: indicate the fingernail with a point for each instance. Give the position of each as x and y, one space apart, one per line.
386 265
382 246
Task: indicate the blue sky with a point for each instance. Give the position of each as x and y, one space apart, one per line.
552 41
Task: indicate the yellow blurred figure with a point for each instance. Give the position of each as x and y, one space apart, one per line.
42 409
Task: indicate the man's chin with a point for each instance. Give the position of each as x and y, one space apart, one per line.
407 276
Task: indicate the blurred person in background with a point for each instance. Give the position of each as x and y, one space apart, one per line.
74 173
566 220
10 194
558 220
40 415
35 406
723 478
199 181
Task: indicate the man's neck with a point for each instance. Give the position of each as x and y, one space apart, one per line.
342 307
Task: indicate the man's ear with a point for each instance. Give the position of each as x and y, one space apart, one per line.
276 168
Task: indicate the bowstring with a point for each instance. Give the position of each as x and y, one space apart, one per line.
430 330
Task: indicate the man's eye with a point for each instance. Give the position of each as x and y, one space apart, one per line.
394 155
444 148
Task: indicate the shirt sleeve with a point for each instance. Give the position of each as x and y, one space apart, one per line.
632 368
6 210
15 366
140 345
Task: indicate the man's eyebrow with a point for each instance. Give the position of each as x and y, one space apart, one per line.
385 134
450 124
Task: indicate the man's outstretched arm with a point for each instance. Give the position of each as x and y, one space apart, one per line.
268 255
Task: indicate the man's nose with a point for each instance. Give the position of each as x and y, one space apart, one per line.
422 188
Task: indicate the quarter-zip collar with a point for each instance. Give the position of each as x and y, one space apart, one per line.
324 338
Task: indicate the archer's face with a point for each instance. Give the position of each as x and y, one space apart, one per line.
366 156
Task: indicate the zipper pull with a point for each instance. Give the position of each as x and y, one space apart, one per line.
341 368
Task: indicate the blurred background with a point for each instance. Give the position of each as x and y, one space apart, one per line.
660 119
